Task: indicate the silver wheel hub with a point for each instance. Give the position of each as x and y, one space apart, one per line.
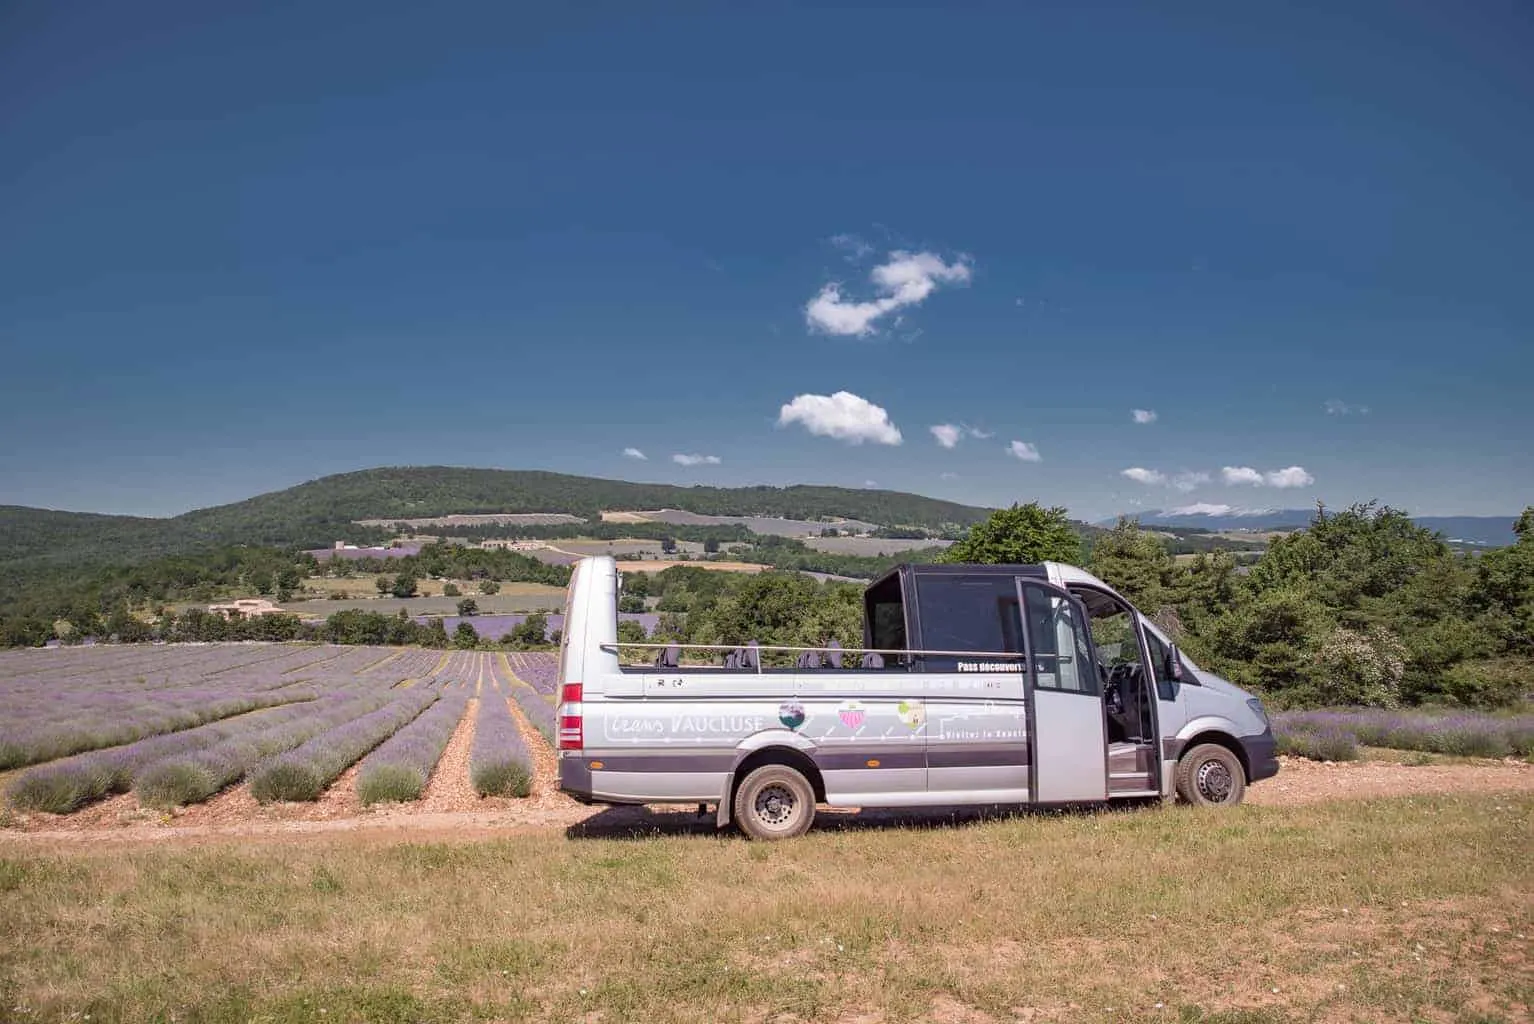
1214 781
776 805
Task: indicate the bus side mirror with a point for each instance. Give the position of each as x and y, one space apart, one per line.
1174 664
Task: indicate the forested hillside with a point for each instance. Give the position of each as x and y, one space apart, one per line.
44 545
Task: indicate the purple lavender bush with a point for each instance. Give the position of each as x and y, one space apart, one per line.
194 777
399 769
1467 734
303 772
67 785
1322 743
499 764
539 711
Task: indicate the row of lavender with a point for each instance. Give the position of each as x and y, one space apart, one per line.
191 763
536 669
401 706
93 704
533 677
1337 735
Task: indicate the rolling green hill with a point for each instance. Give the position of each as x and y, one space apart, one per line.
47 544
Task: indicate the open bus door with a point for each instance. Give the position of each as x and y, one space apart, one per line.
1067 731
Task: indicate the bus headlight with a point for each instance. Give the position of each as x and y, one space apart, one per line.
1256 706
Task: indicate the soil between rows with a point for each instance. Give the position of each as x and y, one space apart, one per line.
451 810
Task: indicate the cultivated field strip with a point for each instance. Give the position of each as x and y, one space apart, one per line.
177 726
401 766
539 712
304 772
536 669
500 763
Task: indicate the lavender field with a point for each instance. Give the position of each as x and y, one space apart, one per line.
1336 735
176 726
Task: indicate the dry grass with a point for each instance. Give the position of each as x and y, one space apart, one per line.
1396 910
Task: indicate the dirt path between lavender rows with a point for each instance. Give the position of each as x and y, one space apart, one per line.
451 811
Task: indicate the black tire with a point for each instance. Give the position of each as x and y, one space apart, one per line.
774 802
1209 775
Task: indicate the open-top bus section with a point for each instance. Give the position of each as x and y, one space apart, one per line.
975 685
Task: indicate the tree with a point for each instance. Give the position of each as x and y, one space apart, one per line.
636 583
630 603
1022 534
464 637
668 545
384 585
404 586
630 632
468 606
436 634
288 580
488 587
450 590
1134 563
532 630
711 546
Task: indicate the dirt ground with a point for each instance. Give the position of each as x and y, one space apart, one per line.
450 808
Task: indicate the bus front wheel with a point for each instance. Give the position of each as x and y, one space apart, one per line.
1210 776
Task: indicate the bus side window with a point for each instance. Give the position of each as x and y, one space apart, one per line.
1160 657
1060 659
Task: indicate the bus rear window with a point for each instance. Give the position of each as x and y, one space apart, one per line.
967 613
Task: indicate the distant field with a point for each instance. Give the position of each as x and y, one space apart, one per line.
756 524
620 548
870 545
657 566
478 519
514 597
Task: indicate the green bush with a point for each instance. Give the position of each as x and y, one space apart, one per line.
502 778
175 784
389 782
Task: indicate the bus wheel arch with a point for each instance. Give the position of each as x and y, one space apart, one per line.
1218 756
784 756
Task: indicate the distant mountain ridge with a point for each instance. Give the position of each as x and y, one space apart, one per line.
1481 531
317 513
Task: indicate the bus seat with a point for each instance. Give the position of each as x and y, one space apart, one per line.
871 660
834 653
669 657
751 657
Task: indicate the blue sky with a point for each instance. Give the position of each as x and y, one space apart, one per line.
245 245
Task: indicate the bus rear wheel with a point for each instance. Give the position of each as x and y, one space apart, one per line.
1210 776
774 802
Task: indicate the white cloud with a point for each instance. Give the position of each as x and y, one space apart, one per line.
1024 451
844 416
634 453
870 483
948 476
950 434
1189 481
1143 415
1337 407
1141 475
1293 476
696 460
905 280
947 434
1241 475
